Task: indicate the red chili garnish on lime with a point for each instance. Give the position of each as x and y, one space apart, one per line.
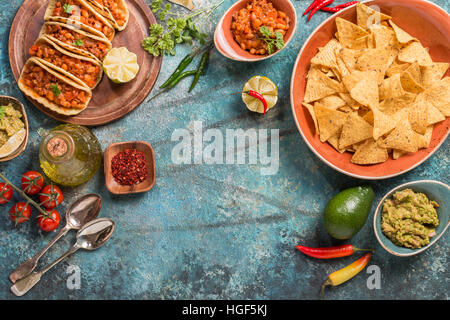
258 96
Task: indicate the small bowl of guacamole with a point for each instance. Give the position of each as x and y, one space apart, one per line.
412 217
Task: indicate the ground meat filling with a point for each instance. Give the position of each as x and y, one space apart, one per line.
74 10
86 71
55 90
70 37
113 6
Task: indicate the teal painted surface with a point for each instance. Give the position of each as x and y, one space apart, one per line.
215 231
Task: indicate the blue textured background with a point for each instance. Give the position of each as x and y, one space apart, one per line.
214 232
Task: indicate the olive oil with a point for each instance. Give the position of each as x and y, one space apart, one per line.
70 155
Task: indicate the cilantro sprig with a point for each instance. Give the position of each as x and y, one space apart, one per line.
175 29
55 89
68 8
274 41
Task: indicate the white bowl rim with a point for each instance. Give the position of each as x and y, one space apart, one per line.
389 193
354 175
219 25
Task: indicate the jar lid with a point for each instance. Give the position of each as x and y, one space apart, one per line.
57 147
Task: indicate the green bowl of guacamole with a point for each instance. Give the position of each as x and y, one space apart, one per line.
412 217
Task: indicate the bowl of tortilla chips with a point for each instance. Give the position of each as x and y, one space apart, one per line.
370 90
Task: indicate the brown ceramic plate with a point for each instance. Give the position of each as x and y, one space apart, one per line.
5 100
114 149
228 47
424 20
110 101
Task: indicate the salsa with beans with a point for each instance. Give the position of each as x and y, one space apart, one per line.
98 48
66 9
113 7
246 24
55 90
84 70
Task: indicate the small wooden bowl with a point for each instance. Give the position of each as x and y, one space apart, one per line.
144 186
5 100
227 45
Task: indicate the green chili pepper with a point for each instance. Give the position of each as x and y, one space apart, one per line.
181 77
181 67
200 69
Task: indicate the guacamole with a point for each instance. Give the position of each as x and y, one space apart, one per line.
409 219
10 123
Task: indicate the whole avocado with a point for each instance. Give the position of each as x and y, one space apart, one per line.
346 213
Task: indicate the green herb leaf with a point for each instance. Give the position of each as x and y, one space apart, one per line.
272 40
55 89
156 6
78 43
68 8
2 111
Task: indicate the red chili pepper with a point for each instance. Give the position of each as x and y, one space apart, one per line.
311 6
331 252
331 9
345 5
320 4
258 96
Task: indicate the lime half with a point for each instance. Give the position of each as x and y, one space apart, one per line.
120 65
13 143
263 86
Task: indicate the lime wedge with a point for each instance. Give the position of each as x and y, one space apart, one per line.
120 65
263 86
13 143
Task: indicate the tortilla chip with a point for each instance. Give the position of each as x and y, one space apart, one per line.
349 100
391 106
401 35
334 141
369 153
349 57
382 123
409 83
439 96
391 88
383 37
396 68
374 60
319 86
433 73
398 153
332 102
326 56
349 34
329 121
366 16
354 130
425 139
312 114
402 138
418 117
415 52
363 87
434 115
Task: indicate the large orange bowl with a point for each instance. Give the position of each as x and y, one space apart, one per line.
424 20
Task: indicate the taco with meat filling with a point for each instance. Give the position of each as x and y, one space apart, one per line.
115 11
52 89
76 40
83 70
79 14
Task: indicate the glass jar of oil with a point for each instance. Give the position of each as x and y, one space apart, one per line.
70 154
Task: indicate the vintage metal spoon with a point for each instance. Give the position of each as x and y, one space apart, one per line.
83 210
90 237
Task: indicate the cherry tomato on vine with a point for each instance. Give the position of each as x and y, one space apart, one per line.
6 193
51 196
50 221
32 182
20 212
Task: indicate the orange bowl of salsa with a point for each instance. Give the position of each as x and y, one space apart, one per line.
254 30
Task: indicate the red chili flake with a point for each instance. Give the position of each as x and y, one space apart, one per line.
129 167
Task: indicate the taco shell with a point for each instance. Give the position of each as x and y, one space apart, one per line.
73 48
46 40
44 101
48 16
105 12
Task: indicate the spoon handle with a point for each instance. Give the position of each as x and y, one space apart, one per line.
28 266
25 284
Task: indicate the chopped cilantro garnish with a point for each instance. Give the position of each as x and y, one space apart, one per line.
271 43
55 89
68 8
78 43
